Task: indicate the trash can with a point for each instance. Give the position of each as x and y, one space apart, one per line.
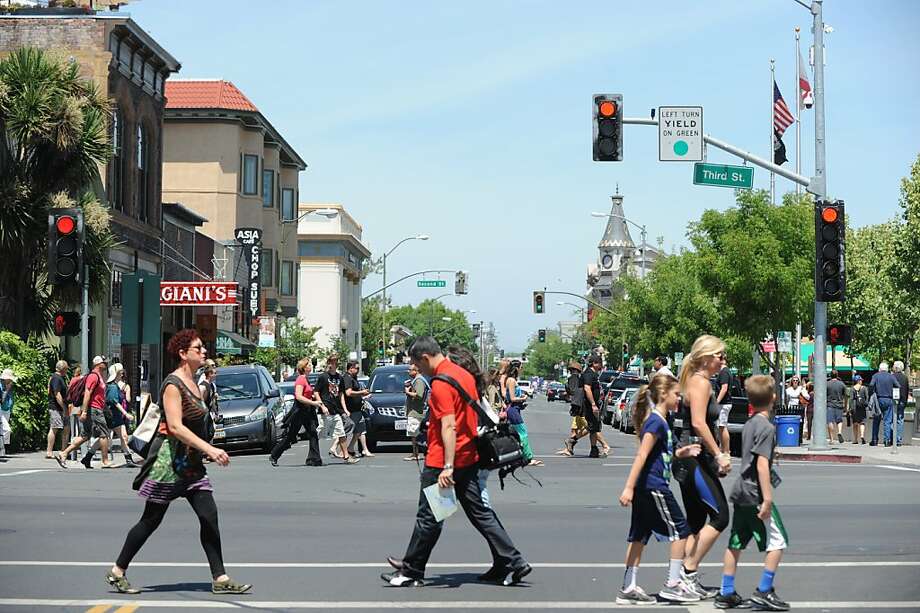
787 430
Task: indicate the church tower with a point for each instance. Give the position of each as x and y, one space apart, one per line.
616 251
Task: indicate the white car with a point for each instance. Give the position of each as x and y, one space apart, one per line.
526 388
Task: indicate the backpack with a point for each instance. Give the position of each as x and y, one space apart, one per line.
576 390
77 390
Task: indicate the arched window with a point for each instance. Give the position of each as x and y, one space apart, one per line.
141 187
116 165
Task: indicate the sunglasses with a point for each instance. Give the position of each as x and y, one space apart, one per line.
198 347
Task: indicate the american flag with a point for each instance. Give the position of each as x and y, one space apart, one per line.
782 118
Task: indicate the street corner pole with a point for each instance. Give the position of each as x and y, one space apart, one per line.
819 421
140 339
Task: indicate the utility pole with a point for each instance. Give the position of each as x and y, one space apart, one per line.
819 189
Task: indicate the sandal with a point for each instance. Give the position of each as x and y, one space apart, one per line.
411 458
120 583
230 587
536 463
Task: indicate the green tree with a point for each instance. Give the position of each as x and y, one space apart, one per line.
54 127
756 261
294 343
907 255
543 358
29 419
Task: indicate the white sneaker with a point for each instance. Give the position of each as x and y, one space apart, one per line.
693 582
635 596
679 592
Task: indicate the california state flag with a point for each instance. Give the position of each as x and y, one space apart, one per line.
806 100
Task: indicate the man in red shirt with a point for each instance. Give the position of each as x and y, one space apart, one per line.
92 418
452 461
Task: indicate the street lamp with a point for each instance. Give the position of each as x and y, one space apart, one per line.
640 227
431 310
279 313
581 309
417 237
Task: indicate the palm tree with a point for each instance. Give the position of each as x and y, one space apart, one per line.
53 139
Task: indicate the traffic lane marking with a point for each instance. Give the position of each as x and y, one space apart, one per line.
128 608
421 604
27 472
327 565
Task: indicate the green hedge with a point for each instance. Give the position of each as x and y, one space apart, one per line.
29 420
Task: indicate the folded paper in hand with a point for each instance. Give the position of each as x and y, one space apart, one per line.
443 501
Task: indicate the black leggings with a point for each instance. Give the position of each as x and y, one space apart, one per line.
206 510
704 498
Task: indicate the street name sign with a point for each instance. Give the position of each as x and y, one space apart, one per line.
432 283
723 175
784 341
680 133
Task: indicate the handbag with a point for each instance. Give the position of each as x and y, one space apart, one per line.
498 444
146 431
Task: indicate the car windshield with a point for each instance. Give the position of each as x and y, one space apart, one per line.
233 386
623 383
606 376
392 382
286 388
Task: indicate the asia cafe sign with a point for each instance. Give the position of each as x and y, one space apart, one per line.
198 293
251 240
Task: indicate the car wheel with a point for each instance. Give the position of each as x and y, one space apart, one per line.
270 437
371 445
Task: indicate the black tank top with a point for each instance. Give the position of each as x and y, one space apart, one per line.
712 420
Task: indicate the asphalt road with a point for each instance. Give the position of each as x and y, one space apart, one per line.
313 538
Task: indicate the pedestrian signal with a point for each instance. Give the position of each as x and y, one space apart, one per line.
839 335
66 323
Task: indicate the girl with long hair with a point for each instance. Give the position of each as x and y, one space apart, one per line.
174 469
654 508
515 402
700 486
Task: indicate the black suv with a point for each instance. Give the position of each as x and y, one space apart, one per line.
251 406
386 406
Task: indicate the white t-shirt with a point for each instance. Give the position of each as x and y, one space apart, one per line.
793 393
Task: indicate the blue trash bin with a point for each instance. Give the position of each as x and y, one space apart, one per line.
787 430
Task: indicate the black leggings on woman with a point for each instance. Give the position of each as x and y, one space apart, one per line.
206 510
704 498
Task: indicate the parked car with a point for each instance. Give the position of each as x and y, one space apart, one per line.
251 406
556 391
386 406
627 408
526 387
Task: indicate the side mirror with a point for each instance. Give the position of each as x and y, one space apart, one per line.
275 393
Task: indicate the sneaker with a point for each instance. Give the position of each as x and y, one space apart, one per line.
60 460
692 580
493 575
120 583
87 462
839 438
732 601
769 600
351 460
230 587
594 453
679 592
516 576
635 596
272 461
399 579
862 441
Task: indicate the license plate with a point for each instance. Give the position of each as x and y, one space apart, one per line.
219 434
401 424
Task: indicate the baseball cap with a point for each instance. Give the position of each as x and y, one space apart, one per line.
100 359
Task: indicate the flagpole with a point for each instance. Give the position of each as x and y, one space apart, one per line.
772 132
798 113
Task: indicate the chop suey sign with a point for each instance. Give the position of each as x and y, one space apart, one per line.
251 240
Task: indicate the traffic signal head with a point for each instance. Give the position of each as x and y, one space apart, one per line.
839 335
541 336
830 235
66 323
476 329
65 246
460 283
608 127
538 302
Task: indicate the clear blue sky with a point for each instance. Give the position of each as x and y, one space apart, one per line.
471 121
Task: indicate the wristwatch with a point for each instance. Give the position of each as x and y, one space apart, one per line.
448 467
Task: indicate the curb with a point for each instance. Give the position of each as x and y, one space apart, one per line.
821 457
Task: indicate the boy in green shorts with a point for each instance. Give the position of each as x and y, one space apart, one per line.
755 516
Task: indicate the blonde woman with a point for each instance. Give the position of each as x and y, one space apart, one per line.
700 488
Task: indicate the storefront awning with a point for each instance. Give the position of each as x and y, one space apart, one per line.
232 343
841 360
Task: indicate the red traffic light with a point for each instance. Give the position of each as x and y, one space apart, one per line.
65 224
829 214
607 108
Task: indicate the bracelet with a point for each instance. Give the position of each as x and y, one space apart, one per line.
448 467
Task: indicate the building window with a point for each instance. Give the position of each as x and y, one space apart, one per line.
287 278
116 165
265 267
250 175
268 188
142 159
287 204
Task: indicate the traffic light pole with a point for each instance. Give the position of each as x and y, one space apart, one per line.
588 300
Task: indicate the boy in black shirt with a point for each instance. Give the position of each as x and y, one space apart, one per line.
329 388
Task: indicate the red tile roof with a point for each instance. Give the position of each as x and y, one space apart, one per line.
206 94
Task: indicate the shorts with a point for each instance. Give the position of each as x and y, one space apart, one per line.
94 426
593 420
56 419
769 536
5 431
360 426
333 426
704 498
414 418
834 415
724 410
656 512
579 423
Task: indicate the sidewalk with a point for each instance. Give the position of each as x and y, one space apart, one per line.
907 455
